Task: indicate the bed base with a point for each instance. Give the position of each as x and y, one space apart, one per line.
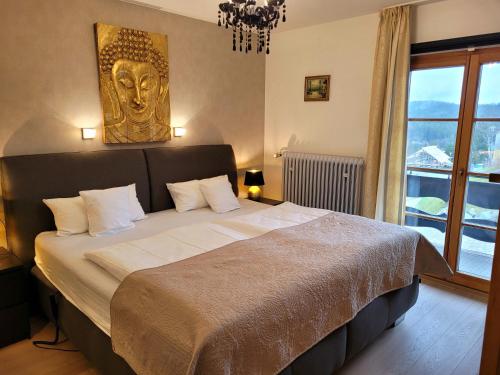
324 358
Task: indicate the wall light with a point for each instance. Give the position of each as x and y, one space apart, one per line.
89 133
280 153
179 132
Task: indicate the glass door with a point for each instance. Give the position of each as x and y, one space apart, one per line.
453 145
434 112
474 230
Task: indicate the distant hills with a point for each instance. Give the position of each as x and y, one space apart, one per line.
443 134
438 109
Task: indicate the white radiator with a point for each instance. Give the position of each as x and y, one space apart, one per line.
323 181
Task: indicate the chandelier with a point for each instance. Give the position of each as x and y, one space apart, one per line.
246 18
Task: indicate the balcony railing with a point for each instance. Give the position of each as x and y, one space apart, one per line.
427 204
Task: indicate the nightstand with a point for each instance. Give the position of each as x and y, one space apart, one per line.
269 201
14 311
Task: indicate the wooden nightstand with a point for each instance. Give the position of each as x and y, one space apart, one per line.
14 311
269 201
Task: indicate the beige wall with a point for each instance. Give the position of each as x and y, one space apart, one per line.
49 82
344 49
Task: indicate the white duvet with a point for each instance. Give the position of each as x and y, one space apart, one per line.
183 242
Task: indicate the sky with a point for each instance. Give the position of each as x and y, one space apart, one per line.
445 84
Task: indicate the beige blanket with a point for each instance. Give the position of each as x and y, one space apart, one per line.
254 306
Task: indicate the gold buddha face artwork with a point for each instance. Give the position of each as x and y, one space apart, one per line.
134 85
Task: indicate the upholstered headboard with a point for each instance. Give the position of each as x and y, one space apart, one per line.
186 163
26 180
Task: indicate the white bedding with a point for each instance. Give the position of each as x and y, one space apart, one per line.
183 242
88 286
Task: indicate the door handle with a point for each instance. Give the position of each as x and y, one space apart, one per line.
461 172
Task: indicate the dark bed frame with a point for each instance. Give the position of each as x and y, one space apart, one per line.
26 180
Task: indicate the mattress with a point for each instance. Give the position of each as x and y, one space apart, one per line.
90 287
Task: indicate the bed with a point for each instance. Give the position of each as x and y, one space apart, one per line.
91 288
84 290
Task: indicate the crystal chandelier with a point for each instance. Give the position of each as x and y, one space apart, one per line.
246 18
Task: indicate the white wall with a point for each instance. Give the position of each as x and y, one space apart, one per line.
345 49
454 19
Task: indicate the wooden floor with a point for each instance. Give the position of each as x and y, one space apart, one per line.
442 334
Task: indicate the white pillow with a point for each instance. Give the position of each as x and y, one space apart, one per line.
219 194
69 214
136 211
187 195
108 210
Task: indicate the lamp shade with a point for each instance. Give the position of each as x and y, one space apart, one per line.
254 178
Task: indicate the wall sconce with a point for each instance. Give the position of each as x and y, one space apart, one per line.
89 133
179 132
280 153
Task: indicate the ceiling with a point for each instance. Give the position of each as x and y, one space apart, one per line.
300 13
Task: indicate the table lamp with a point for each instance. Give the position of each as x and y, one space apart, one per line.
254 179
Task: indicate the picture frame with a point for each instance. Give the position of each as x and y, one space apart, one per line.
317 88
133 71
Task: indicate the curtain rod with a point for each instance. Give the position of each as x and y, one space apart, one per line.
414 2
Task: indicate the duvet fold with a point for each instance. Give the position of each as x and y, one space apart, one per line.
183 242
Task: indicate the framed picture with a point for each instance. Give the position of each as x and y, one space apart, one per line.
317 89
134 84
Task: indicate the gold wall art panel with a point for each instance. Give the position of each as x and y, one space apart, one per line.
134 85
